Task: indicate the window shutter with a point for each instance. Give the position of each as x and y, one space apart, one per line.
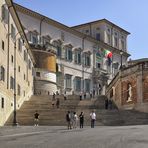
6 15
3 13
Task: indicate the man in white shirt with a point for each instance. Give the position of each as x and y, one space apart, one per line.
93 118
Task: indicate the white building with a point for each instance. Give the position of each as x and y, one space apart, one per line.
77 48
50 56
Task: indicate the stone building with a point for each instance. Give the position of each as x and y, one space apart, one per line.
39 55
129 89
78 69
16 63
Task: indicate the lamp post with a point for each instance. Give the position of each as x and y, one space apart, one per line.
15 61
121 53
14 111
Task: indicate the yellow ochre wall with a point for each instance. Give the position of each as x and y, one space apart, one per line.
49 63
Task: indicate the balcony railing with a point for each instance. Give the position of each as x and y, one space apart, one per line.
47 47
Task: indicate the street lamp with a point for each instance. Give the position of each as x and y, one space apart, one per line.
14 111
14 101
121 53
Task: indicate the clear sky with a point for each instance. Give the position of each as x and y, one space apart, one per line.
130 15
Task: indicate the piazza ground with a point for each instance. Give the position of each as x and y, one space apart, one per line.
60 137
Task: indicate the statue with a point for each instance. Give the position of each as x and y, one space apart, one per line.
129 93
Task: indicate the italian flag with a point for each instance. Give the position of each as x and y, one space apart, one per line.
108 54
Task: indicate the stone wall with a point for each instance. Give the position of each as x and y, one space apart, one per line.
129 88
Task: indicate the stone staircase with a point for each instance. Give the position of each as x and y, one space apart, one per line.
50 115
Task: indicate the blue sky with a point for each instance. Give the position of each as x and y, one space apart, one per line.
130 15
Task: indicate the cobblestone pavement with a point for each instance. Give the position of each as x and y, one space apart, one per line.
60 137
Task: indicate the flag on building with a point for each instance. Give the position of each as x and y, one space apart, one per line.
108 54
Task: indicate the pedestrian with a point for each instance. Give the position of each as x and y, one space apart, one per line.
58 103
75 122
65 97
68 119
36 118
53 96
84 95
80 96
81 117
94 93
53 101
90 94
93 118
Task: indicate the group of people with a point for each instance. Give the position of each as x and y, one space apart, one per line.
72 119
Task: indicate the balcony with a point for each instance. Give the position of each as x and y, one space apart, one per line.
46 48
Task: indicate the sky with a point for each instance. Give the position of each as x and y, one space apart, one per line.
130 15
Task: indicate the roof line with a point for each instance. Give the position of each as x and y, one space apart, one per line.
101 20
80 34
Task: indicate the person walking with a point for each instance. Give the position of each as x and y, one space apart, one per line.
93 118
36 118
68 119
75 122
81 117
65 97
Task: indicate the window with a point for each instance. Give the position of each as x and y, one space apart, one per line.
87 59
59 78
5 14
115 41
98 65
25 56
38 74
19 68
87 85
68 80
33 37
122 45
108 38
78 57
18 90
68 54
98 36
59 51
13 32
20 44
11 83
2 103
78 83
11 58
3 45
2 73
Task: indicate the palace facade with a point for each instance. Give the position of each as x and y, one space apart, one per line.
39 55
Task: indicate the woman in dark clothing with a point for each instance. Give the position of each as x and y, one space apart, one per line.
81 116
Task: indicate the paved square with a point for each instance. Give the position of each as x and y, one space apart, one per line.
60 137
